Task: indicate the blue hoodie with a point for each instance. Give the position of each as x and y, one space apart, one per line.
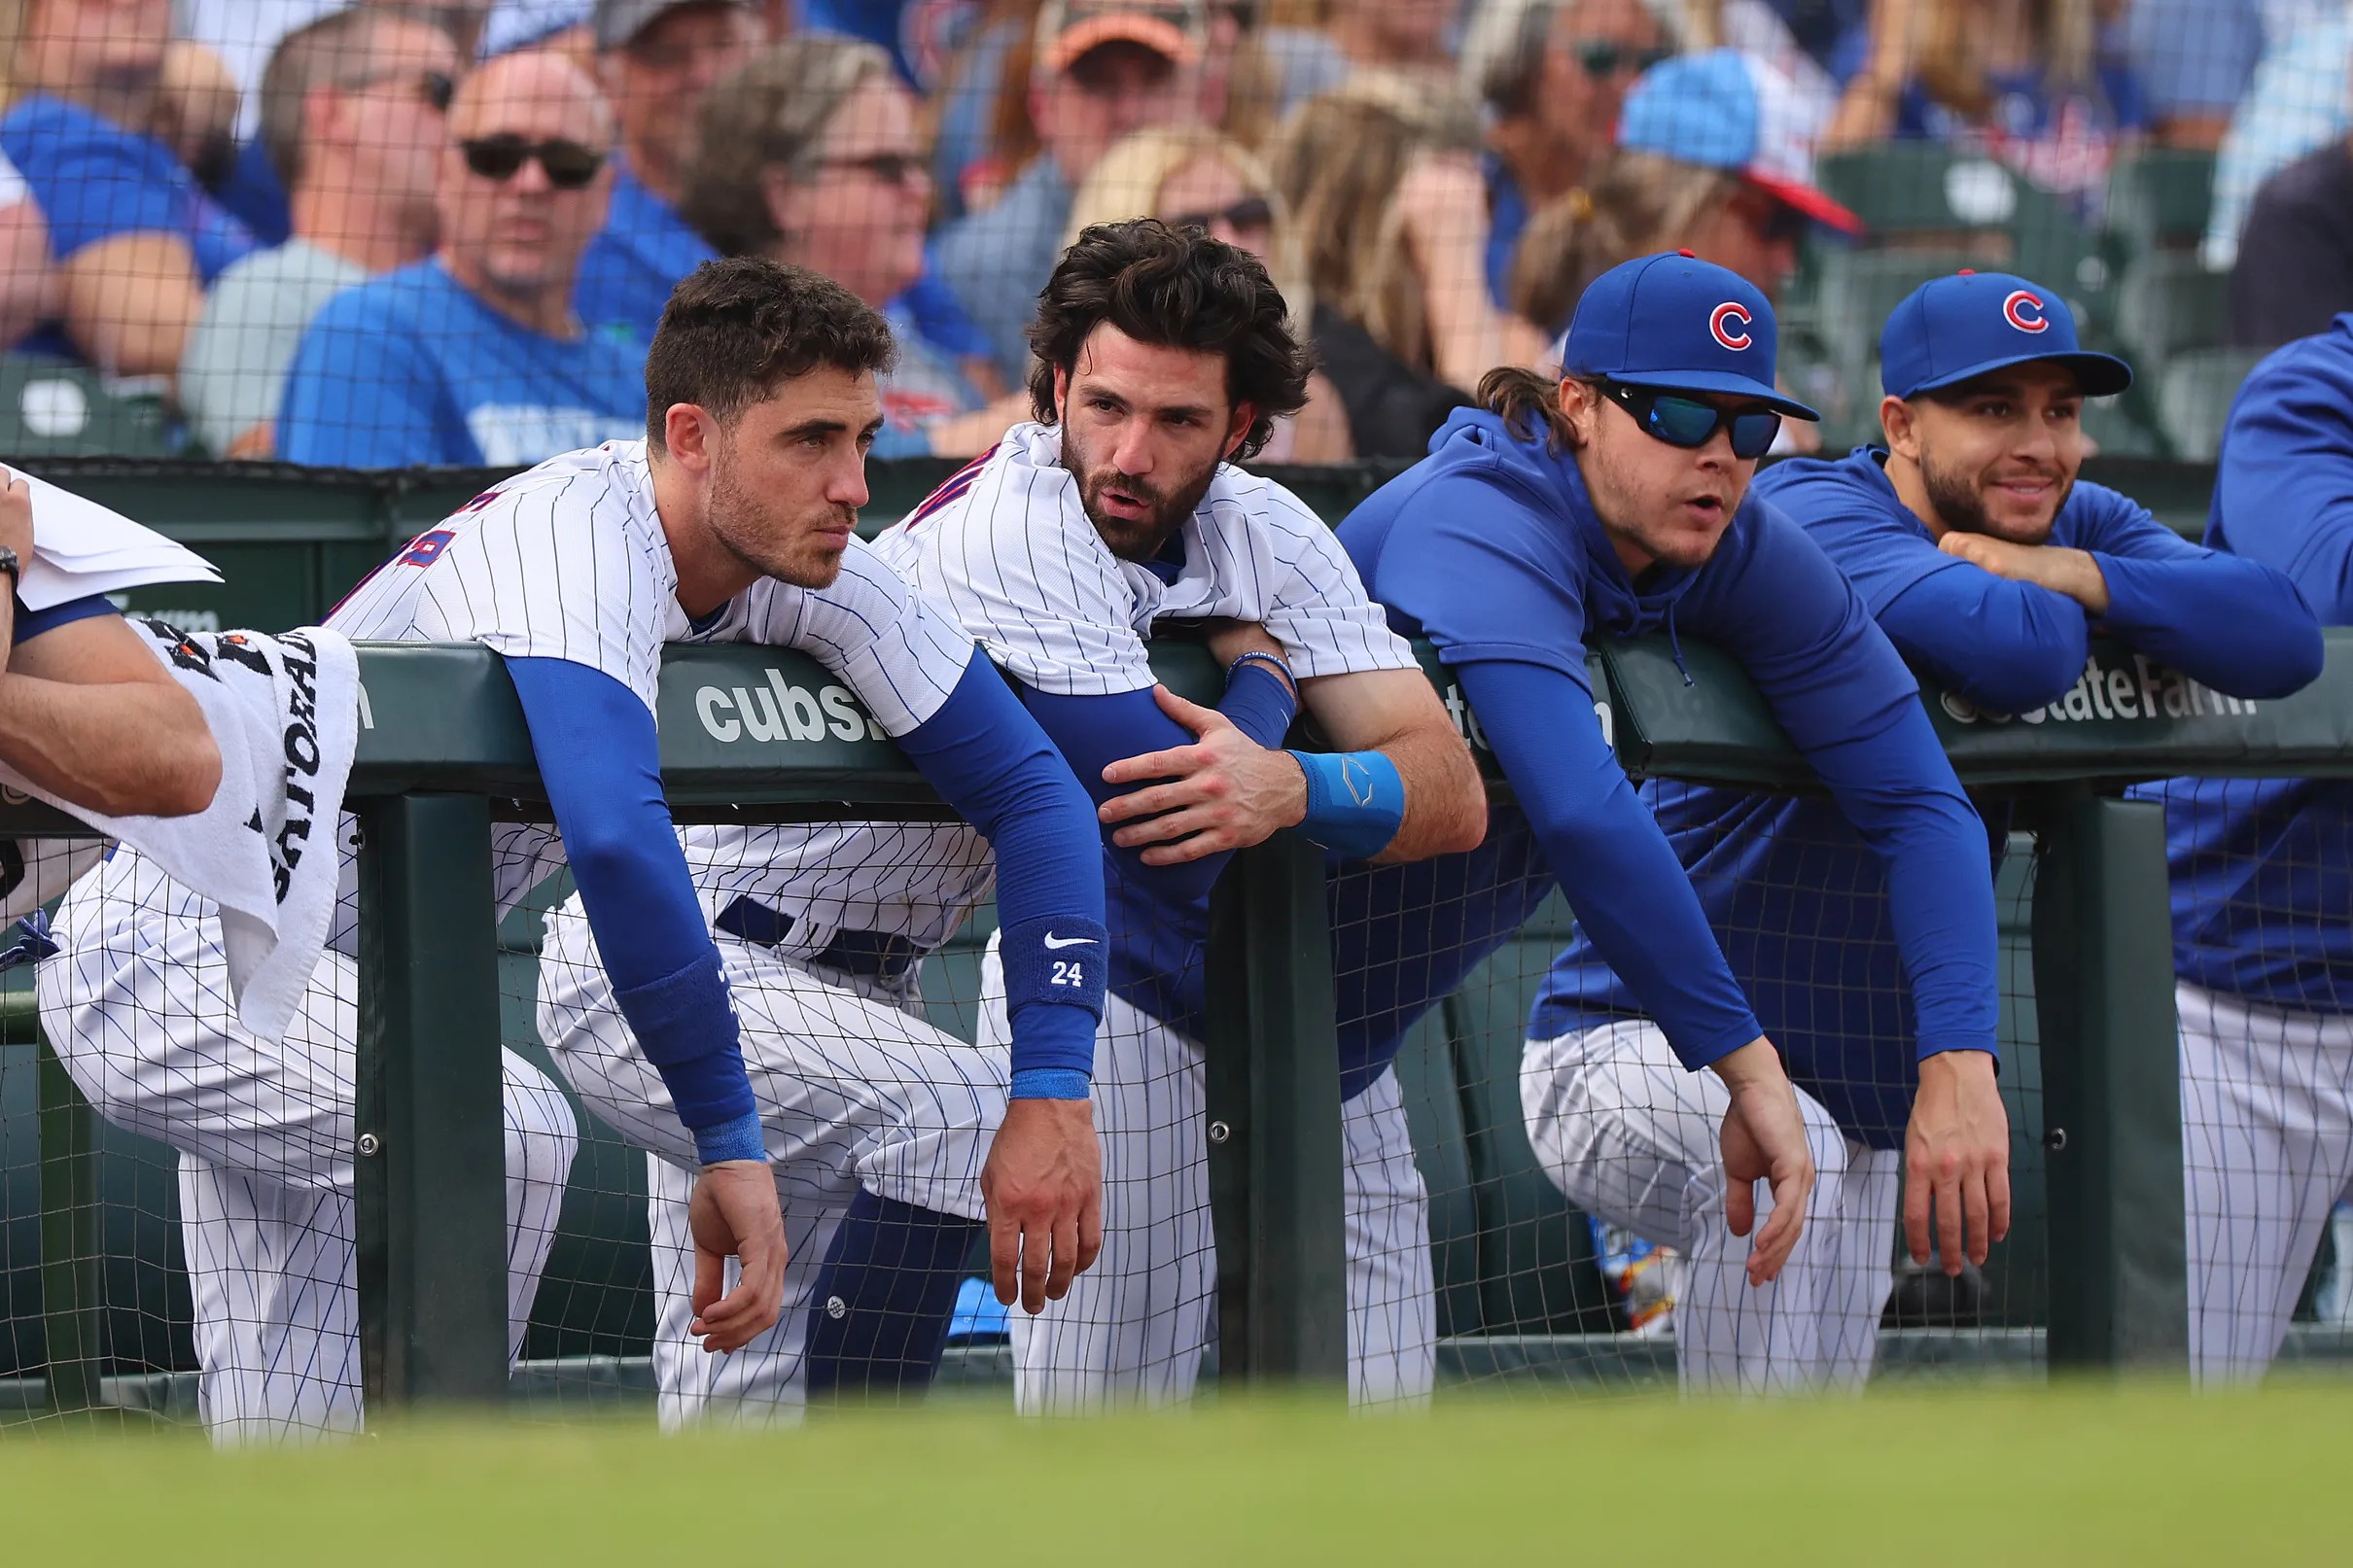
1491 549
1803 903
2263 869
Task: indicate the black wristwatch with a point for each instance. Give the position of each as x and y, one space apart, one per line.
13 567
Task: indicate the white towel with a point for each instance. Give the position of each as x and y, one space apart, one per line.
284 713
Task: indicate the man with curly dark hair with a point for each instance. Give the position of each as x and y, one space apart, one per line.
1162 357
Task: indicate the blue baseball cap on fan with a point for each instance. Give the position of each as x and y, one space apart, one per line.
1956 328
1722 108
1679 324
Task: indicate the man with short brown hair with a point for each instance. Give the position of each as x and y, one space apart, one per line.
353 113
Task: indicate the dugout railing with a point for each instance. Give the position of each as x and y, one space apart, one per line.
443 753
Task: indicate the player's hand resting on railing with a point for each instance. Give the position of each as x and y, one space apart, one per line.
1763 1139
2063 571
734 1214
1043 1188
1958 1151
1225 792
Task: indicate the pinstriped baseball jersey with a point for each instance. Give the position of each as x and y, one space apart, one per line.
569 561
1007 546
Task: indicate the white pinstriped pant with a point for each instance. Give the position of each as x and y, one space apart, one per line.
1628 1135
853 1091
138 1008
1134 1327
2266 1147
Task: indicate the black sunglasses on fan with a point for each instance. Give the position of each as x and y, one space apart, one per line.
1603 56
1691 423
568 164
1251 212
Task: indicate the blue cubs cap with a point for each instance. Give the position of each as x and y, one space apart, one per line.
1679 324
1722 108
1955 328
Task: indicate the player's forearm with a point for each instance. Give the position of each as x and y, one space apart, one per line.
128 748
2234 624
596 749
1631 894
2008 646
989 760
1893 784
1445 798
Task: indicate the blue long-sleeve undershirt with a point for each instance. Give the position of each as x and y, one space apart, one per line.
2234 624
2007 647
1631 894
600 763
1095 731
1001 774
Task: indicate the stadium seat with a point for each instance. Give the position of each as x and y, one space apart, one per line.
2194 396
1913 188
2167 305
1860 289
51 408
2158 198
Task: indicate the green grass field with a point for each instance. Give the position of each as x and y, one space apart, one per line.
2080 1476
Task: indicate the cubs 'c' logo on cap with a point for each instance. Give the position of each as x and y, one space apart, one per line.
1729 325
2023 310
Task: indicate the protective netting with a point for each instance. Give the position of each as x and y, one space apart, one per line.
399 232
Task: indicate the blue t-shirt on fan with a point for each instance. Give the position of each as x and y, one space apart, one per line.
630 267
94 181
411 368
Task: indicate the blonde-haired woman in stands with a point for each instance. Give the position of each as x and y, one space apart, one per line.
1383 182
1195 176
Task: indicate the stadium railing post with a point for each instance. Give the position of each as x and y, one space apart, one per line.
1271 1092
431 1168
73 1254
2103 966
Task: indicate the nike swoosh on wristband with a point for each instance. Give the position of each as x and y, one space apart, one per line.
1054 941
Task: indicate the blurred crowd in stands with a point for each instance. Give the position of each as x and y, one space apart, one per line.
395 232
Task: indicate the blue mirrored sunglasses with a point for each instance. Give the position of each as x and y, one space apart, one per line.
1691 422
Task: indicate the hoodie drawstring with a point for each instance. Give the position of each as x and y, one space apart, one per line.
1676 644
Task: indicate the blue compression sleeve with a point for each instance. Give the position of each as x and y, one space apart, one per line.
989 760
1260 703
1621 875
601 766
2007 647
2237 625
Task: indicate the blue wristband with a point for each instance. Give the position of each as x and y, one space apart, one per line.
1049 1083
1356 801
1059 958
739 1139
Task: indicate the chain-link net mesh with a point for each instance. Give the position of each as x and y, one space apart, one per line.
360 235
